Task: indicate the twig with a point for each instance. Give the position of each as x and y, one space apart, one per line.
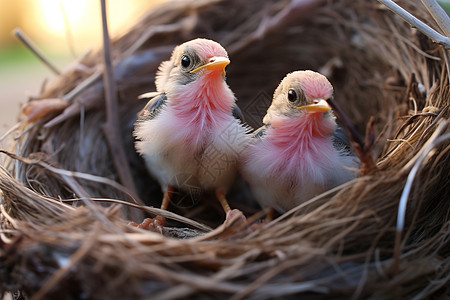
362 147
83 85
92 79
152 31
111 128
74 174
439 15
424 153
369 142
75 258
97 75
414 22
354 135
153 211
29 43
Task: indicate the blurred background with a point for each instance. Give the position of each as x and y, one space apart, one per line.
62 30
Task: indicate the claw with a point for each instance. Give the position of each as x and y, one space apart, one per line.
234 217
152 224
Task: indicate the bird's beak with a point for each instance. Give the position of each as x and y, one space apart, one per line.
215 63
318 106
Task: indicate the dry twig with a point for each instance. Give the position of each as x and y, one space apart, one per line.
111 127
413 21
29 43
439 15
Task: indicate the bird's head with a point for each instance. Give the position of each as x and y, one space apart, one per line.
191 61
300 93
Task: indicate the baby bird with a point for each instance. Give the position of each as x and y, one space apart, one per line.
188 127
294 156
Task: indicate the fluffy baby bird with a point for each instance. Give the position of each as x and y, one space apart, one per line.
294 156
188 128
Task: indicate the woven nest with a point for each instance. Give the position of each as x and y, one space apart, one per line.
64 216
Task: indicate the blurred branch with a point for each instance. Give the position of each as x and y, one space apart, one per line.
439 15
111 128
29 43
414 22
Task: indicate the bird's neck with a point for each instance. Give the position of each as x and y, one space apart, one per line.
201 106
207 98
302 134
300 147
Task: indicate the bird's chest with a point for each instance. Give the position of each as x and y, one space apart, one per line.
296 162
286 174
210 164
207 152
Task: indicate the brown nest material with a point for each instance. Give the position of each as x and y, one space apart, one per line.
58 243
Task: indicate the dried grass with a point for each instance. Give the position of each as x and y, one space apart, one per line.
345 243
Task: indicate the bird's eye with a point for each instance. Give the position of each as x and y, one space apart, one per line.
185 61
292 95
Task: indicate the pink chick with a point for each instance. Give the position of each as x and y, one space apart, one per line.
294 156
188 127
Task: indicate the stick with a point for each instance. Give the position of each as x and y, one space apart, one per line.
439 15
414 22
362 147
424 153
354 135
29 43
97 75
111 127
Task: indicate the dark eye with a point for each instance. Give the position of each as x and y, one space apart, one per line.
292 95
185 61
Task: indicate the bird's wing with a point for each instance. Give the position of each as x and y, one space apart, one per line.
238 115
148 95
260 132
341 141
162 75
153 107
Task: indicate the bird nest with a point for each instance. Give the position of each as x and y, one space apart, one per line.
64 216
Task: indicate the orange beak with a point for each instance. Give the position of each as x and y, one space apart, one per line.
216 62
318 106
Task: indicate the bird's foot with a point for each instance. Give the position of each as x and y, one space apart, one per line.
234 217
155 224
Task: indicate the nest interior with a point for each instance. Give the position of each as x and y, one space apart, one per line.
346 242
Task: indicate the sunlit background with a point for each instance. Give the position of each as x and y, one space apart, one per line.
62 30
